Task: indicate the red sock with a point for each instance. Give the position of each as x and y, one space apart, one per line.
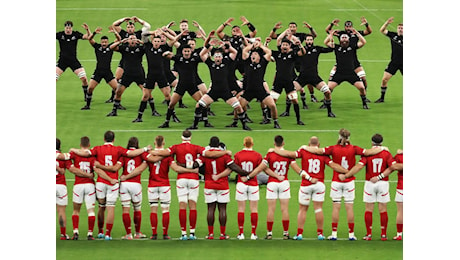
210 229
384 222
319 231
351 227
299 231
165 221
269 226
91 221
154 222
108 229
222 230
137 221
75 220
334 226
100 225
254 220
192 217
62 230
368 221
285 225
241 221
399 228
126 222
183 219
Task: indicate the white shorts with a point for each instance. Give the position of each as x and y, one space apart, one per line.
399 195
314 192
221 196
376 192
160 194
130 192
343 189
278 190
61 195
107 192
246 192
187 189
85 192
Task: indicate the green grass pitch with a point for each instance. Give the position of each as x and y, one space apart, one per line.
386 118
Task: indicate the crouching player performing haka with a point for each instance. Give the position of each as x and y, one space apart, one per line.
219 69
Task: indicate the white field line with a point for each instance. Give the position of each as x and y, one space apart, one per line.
365 9
99 9
223 130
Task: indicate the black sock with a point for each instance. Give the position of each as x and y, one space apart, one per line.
142 107
241 117
89 97
169 114
303 98
383 91
297 111
288 105
327 103
198 115
152 104
116 103
85 90
363 99
112 95
204 114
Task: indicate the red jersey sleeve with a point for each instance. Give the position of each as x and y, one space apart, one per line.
358 150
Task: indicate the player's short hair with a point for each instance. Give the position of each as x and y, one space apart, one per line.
286 41
68 23
159 140
109 136
131 23
293 23
309 35
314 140
279 140
84 141
400 24
214 141
184 21
377 139
348 23
223 146
248 142
186 134
235 26
186 46
58 144
104 38
133 142
157 37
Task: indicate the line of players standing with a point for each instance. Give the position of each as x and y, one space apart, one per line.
251 59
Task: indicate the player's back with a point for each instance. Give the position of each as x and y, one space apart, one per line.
186 153
313 164
159 171
377 163
129 164
278 164
85 164
248 160
214 166
345 155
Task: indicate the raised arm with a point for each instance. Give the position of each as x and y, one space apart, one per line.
361 40
117 23
383 29
329 27
273 34
200 29
312 31
88 32
220 30
251 27
368 29
91 36
207 47
329 41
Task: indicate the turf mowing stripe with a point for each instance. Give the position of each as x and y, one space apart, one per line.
223 130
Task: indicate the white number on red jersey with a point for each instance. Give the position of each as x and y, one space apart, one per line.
130 166
214 167
280 167
157 167
247 166
85 166
377 165
108 160
344 162
314 165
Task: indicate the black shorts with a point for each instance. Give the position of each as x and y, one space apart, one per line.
120 64
305 78
98 75
280 84
127 79
357 64
259 94
393 67
158 78
233 86
170 76
189 87
73 64
340 77
217 92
